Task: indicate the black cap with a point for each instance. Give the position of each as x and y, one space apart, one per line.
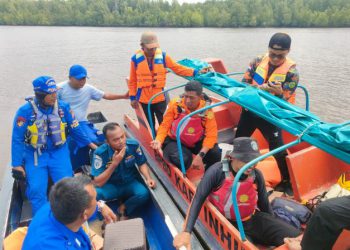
280 41
245 149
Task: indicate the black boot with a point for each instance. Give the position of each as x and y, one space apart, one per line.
285 187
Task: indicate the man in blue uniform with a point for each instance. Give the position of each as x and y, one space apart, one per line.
58 224
39 145
78 94
114 171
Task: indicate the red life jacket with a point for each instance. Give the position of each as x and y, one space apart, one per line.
191 132
247 198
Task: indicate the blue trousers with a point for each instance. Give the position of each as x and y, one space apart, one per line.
81 156
54 163
134 194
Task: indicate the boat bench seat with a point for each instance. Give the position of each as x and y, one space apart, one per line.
227 115
287 138
313 171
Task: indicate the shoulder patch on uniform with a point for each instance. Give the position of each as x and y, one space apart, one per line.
210 114
292 85
20 121
139 151
97 162
60 112
74 124
175 100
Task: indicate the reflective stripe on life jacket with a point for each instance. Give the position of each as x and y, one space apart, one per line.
146 78
278 75
44 126
247 198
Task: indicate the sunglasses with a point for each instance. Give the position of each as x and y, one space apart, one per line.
277 56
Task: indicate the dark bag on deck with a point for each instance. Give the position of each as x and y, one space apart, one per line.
289 209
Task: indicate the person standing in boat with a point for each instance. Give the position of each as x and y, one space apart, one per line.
260 224
199 135
148 75
277 74
39 147
78 94
114 171
58 224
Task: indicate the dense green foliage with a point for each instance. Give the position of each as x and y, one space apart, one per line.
212 13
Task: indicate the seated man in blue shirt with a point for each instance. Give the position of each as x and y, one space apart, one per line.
58 224
78 94
114 171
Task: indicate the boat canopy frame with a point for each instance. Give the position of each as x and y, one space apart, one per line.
251 163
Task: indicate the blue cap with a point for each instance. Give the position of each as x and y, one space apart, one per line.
78 72
44 84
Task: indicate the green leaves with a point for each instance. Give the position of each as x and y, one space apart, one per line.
163 13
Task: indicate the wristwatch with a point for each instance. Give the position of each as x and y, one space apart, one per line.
201 154
100 205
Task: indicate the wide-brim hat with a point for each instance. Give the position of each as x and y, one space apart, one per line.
245 149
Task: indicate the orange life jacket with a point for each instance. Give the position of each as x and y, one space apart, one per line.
146 78
278 75
247 198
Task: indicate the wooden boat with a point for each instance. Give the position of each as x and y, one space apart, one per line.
312 172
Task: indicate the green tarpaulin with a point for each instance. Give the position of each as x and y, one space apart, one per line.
332 138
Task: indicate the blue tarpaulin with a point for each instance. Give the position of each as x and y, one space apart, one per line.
332 138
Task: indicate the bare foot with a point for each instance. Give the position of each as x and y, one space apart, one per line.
293 243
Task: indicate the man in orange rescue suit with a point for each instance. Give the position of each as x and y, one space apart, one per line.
199 135
275 73
148 75
260 225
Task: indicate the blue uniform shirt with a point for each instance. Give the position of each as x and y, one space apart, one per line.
25 117
46 232
126 171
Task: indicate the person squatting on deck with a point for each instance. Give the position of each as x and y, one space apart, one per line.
199 135
260 225
148 75
39 147
114 171
58 224
323 229
277 74
78 94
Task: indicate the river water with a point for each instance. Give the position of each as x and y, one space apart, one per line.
322 56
